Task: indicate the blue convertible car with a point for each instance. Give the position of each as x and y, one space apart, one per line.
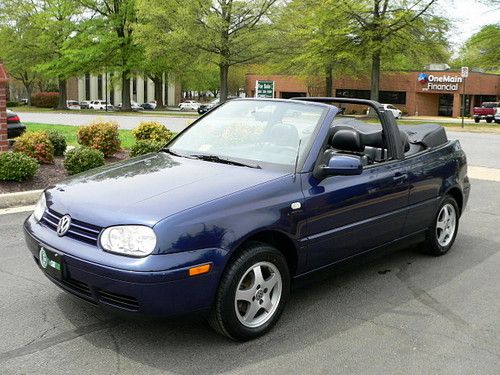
249 197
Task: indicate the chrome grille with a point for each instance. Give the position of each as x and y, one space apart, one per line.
78 230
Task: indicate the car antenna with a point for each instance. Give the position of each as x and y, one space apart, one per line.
296 161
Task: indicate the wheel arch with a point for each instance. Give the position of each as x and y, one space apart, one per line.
281 241
457 194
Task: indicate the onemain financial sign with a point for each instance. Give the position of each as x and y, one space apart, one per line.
440 83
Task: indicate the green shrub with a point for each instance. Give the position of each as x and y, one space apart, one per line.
82 159
152 131
144 147
100 135
37 145
16 166
45 99
11 104
58 141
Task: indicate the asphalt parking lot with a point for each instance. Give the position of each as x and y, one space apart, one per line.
394 312
403 312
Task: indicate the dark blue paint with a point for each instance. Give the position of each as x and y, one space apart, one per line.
203 211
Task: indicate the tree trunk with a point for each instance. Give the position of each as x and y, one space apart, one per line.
375 82
329 81
158 81
29 91
126 91
223 70
62 94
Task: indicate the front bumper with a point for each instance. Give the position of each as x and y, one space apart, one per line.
166 292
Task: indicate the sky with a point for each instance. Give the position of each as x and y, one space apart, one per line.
469 16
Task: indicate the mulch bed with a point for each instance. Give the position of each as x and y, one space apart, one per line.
49 174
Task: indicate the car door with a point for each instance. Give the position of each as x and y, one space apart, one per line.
348 215
351 214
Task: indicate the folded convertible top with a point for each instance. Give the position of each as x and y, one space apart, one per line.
429 135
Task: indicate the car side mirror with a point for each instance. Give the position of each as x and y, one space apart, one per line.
341 165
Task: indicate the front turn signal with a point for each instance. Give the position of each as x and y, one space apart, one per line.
200 270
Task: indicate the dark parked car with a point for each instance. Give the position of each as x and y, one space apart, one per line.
248 198
14 126
148 106
204 108
85 104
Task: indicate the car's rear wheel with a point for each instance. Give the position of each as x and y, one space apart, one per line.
252 293
442 234
476 120
489 120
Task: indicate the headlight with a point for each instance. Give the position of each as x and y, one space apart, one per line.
133 240
40 208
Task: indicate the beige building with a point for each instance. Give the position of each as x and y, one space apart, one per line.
142 89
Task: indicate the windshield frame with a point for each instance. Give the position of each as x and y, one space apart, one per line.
306 149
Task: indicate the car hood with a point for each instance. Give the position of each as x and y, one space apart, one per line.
148 189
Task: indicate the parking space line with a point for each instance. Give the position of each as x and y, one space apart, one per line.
15 210
483 173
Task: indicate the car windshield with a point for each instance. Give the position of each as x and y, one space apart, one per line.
257 131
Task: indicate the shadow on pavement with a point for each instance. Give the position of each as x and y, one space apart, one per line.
324 305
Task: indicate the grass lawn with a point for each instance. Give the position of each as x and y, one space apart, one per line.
69 132
161 113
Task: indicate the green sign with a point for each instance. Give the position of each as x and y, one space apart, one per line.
264 89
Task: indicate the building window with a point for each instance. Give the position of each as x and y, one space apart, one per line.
87 86
99 87
392 97
112 89
358 94
386 97
134 88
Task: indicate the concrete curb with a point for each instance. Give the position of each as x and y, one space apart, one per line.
23 198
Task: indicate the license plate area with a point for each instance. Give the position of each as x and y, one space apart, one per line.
51 262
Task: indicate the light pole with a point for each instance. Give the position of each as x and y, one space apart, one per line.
464 73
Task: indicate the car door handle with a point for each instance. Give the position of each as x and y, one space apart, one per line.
400 178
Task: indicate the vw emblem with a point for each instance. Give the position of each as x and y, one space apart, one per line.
44 260
63 226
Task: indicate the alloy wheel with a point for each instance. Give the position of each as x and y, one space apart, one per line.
258 294
446 224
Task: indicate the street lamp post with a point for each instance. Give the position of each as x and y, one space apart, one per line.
464 73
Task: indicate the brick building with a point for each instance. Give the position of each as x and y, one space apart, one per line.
4 143
424 93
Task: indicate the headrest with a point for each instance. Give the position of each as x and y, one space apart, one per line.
369 135
347 140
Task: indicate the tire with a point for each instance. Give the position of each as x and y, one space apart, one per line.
229 315
439 243
476 120
497 121
488 120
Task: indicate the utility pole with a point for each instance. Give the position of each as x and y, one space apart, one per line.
464 73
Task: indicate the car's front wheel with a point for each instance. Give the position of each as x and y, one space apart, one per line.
442 234
252 293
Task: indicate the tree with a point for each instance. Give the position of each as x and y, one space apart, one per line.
20 50
57 22
113 25
482 50
382 27
35 36
316 40
227 32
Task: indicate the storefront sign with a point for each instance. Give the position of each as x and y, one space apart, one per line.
440 83
264 89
